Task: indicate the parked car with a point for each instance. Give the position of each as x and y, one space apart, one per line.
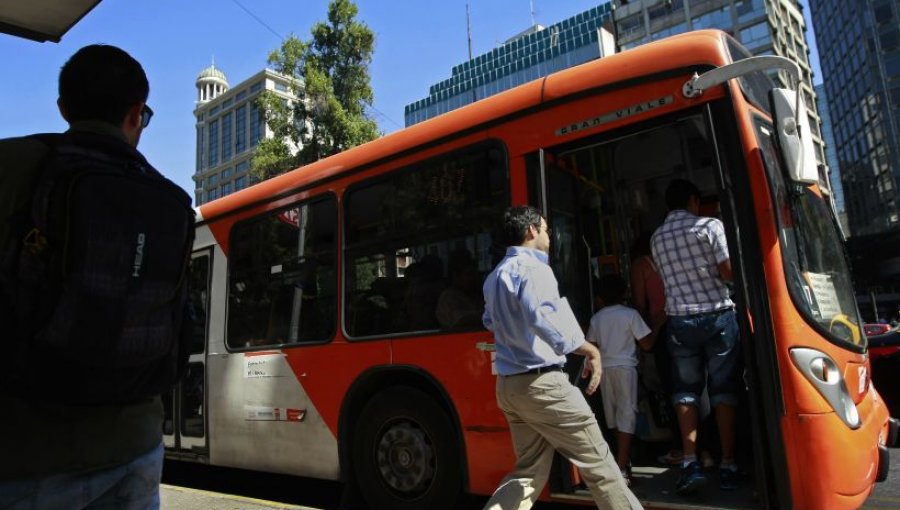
884 352
874 329
883 344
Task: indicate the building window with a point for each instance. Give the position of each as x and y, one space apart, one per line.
201 163
256 125
240 129
212 180
239 182
226 189
282 281
281 87
214 110
226 173
228 102
719 18
226 137
418 244
212 194
240 95
213 147
256 87
755 35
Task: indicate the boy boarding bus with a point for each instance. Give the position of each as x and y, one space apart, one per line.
340 333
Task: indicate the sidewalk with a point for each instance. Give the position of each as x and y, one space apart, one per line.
181 498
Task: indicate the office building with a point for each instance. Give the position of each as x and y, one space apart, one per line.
859 49
536 52
765 27
229 127
834 171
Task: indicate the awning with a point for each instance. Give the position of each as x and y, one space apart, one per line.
42 20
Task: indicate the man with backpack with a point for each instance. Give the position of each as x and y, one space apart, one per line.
94 253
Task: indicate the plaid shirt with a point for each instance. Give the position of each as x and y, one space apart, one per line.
687 250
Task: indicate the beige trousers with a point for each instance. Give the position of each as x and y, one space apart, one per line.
546 413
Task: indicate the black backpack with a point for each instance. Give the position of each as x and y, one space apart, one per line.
97 276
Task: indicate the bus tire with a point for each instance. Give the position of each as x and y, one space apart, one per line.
405 455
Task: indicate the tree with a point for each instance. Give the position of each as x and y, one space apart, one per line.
331 76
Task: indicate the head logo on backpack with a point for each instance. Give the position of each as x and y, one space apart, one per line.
98 267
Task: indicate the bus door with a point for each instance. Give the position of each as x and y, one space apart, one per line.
601 193
184 428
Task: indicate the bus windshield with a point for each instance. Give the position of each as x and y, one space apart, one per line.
815 265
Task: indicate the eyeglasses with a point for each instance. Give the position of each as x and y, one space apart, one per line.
146 115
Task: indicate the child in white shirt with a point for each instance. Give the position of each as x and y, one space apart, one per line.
618 330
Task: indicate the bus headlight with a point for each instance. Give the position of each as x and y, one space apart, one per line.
824 374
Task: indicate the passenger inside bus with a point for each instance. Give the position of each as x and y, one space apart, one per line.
461 303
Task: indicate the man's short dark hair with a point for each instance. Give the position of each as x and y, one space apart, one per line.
612 289
679 193
516 220
101 82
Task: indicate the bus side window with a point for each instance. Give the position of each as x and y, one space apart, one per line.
282 270
405 231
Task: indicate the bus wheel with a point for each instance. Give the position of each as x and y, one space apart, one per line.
404 453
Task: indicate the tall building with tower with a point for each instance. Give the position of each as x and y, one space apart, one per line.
229 127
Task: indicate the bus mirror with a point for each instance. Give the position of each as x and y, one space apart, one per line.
794 136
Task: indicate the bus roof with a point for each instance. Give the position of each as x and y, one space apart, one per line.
683 51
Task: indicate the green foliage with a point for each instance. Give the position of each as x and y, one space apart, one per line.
331 73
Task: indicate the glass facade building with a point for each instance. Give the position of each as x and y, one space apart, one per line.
229 127
765 27
859 49
529 55
831 159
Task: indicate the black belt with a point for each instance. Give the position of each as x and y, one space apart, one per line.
542 370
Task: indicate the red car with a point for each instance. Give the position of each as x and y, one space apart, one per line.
876 329
884 341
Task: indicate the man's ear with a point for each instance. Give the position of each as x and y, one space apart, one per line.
132 125
62 109
133 117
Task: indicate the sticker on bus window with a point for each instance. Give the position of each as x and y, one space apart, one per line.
266 413
260 365
824 293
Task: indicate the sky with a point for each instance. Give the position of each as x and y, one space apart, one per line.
417 42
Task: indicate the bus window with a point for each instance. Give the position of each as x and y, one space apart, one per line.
419 244
282 276
199 302
815 266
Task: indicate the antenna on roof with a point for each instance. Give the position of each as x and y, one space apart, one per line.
532 13
469 30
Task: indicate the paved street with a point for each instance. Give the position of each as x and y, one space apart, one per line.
181 498
887 494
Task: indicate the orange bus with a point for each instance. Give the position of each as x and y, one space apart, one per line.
340 304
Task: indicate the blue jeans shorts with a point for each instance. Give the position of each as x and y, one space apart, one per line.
705 349
131 486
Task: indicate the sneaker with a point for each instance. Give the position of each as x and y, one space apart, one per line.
692 479
728 479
